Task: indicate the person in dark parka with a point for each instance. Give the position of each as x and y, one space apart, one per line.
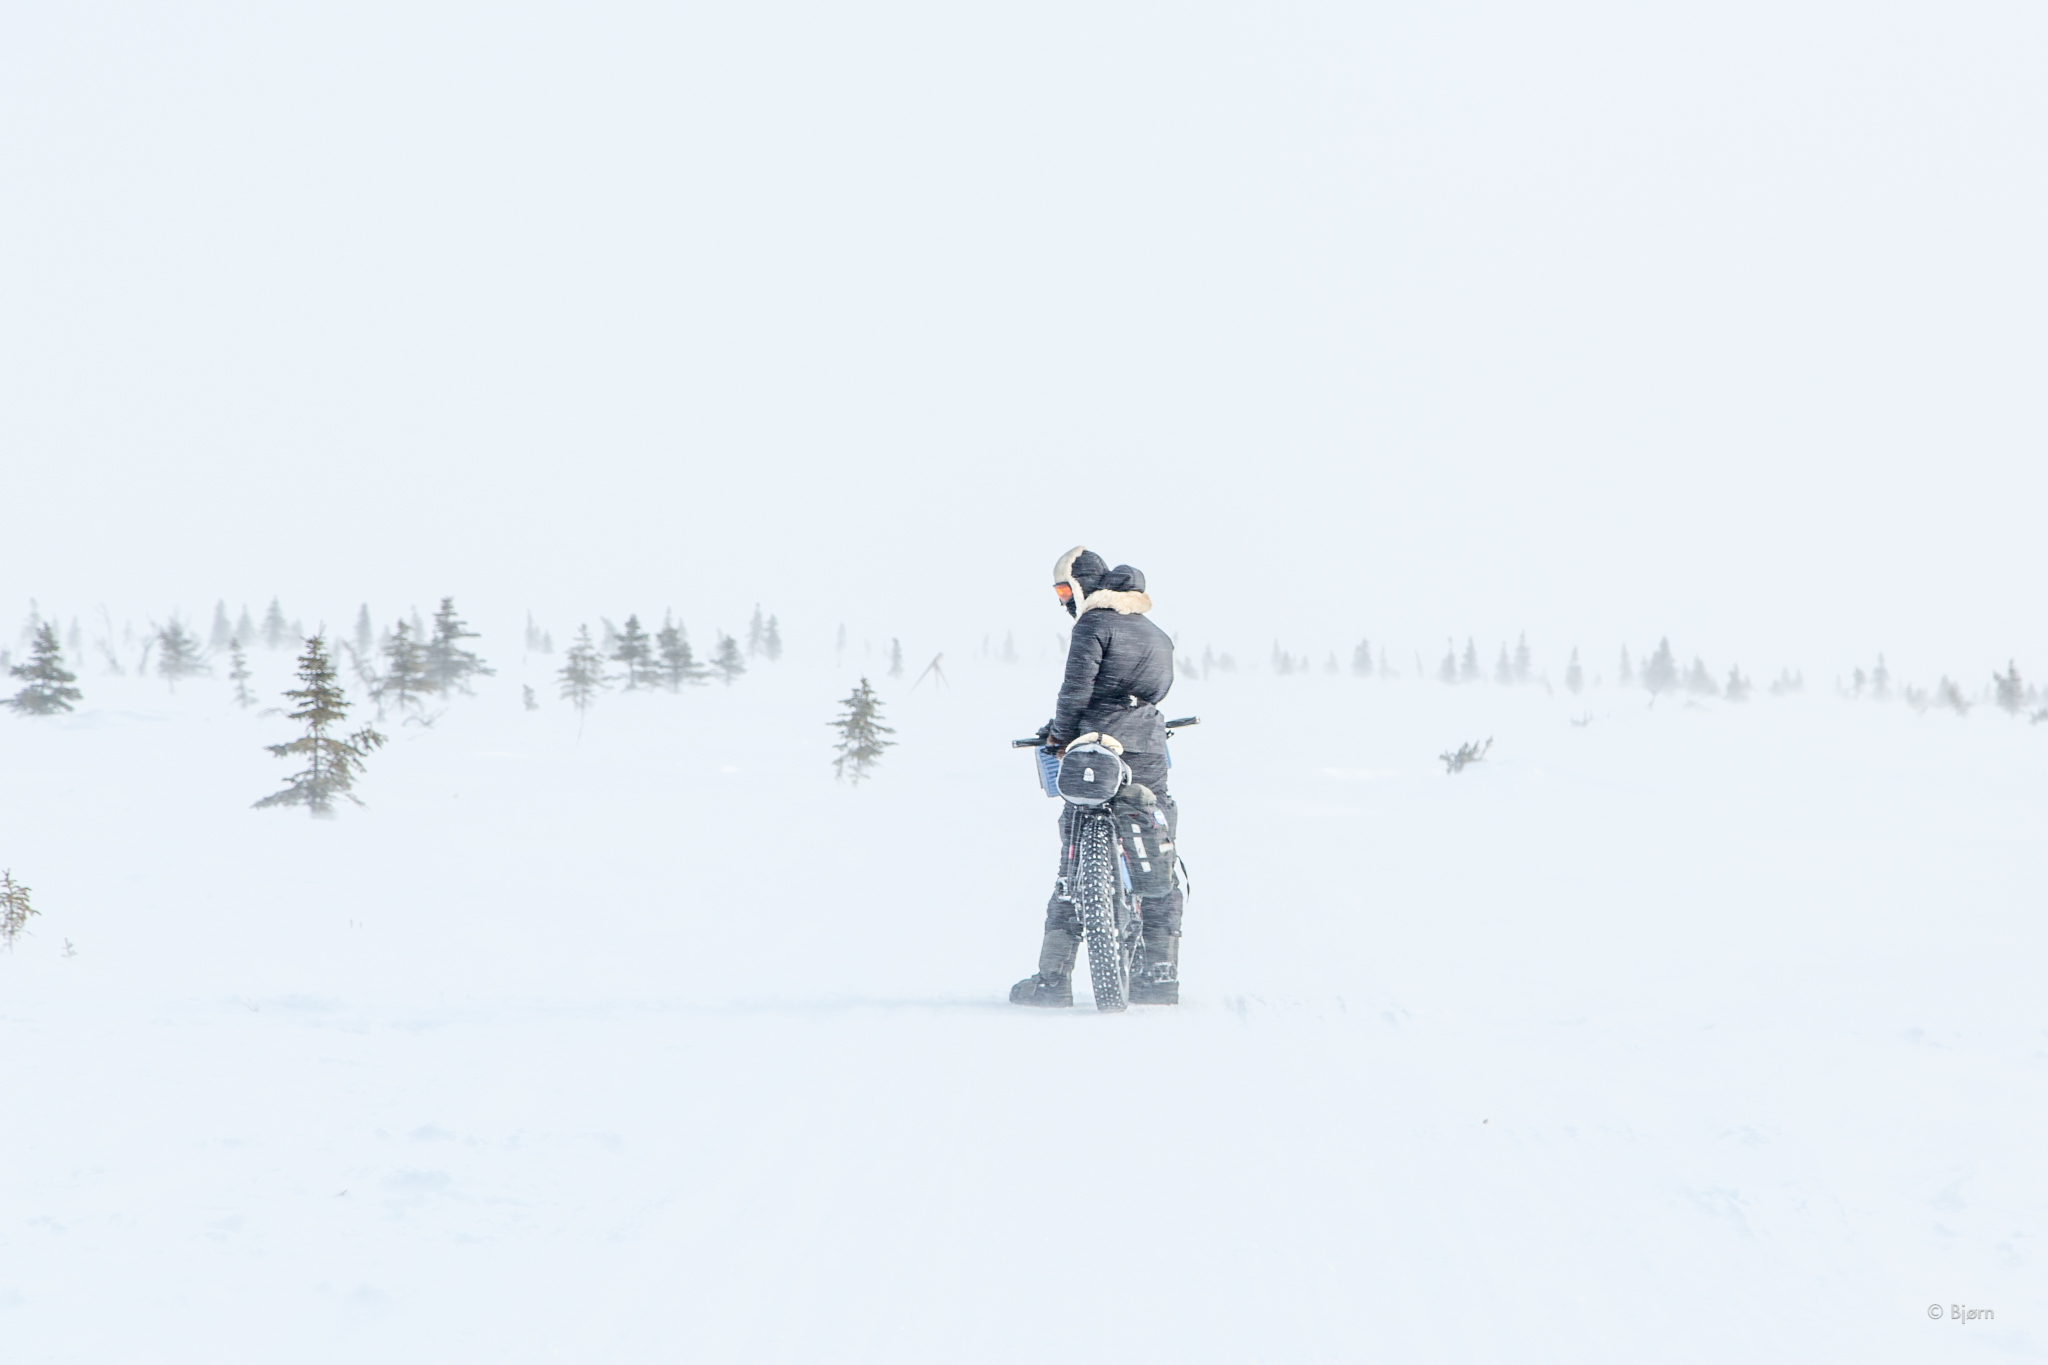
1119 668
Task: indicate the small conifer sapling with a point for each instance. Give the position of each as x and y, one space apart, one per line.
275 631
636 652
860 735
14 910
1660 674
177 653
678 663
582 675
405 678
2009 690
49 688
727 662
333 761
448 664
239 675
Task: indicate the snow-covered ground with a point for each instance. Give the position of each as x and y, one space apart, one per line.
1689 1033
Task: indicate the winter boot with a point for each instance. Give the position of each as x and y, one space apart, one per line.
1052 984
1158 982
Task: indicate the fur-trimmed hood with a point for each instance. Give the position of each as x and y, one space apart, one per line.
1098 587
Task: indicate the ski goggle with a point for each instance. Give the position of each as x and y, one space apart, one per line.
1065 592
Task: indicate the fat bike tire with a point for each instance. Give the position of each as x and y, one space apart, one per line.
1109 968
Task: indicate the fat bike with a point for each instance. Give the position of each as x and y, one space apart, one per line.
1114 850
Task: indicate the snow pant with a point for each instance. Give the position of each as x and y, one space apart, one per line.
1160 913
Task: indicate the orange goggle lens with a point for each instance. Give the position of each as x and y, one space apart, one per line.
1064 591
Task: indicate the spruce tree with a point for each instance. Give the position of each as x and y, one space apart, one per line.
582 675
1739 687
678 664
366 636
222 631
1010 650
860 734
1468 669
14 910
1447 671
757 633
332 761
636 653
1660 674
239 675
1881 682
1700 682
1523 663
49 689
1361 659
771 643
538 641
245 629
275 631
1503 671
2010 691
448 664
895 658
727 662
177 653
1574 676
405 679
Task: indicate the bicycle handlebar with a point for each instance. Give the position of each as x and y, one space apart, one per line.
1035 742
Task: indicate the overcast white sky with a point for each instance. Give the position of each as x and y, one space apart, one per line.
1600 321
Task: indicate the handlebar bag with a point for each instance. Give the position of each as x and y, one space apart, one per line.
1091 775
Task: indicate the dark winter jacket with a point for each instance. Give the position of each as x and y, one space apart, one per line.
1119 665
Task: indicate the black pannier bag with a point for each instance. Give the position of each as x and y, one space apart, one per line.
1147 846
1091 774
